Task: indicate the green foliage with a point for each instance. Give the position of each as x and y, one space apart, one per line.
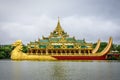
112 58
25 48
118 48
102 46
5 51
2 55
114 46
94 45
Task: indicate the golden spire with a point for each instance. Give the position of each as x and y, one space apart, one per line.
58 19
58 28
58 32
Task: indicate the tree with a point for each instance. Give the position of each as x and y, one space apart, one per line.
118 48
24 49
114 47
5 51
102 46
2 55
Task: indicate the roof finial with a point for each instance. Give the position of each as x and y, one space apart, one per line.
58 19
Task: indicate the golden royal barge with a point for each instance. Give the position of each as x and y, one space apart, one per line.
60 46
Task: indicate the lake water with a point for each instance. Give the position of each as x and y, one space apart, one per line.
59 70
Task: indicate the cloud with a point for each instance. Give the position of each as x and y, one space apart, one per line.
29 19
26 31
90 28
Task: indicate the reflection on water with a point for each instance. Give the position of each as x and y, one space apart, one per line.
59 70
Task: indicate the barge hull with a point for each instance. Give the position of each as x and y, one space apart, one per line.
80 57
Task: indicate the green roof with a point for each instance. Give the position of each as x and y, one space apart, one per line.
84 46
70 46
32 42
70 39
56 46
44 40
42 46
80 41
54 39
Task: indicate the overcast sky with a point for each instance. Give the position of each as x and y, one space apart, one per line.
28 20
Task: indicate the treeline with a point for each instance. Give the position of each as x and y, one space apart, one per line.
115 47
5 50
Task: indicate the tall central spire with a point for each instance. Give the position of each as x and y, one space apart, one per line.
58 32
58 28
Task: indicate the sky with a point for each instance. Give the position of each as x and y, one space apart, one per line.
29 20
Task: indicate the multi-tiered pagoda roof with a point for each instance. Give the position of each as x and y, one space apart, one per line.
59 40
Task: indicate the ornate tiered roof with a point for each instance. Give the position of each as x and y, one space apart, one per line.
59 38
